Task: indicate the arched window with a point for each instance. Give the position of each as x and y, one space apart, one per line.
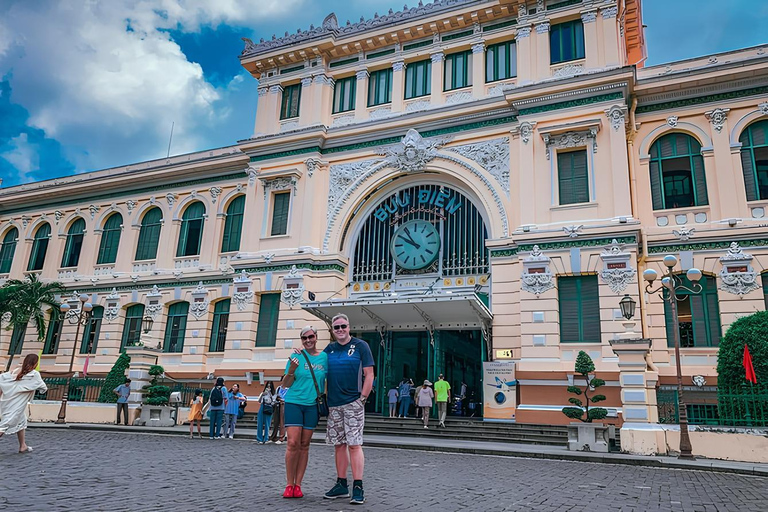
7 249
17 339
149 235
191 234
754 160
233 225
677 172
53 335
110 239
698 315
220 324
132 327
39 247
74 244
176 327
91 333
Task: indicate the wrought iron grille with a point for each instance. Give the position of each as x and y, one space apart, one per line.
461 227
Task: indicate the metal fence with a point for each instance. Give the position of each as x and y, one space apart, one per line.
740 406
80 390
187 390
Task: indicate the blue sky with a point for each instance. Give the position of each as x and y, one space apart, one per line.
89 85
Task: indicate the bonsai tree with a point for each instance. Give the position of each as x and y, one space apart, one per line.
735 394
581 411
115 377
156 394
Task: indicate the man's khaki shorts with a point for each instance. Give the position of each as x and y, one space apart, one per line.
345 424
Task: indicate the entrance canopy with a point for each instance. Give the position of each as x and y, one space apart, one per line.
393 313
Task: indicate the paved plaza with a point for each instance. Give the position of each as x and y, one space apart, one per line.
99 471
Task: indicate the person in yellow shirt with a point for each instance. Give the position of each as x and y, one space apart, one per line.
442 397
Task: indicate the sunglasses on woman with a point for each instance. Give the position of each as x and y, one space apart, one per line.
308 337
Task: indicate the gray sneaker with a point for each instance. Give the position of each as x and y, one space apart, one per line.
337 491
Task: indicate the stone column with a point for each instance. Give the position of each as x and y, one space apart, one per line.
361 95
592 48
268 110
478 69
306 103
638 383
398 85
611 43
142 358
617 135
527 160
525 55
542 50
438 98
723 172
322 100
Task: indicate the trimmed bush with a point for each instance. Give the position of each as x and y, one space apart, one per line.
581 411
115 377
156 394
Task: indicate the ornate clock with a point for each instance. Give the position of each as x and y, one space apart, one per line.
415 244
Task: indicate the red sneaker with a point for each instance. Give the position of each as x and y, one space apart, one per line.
289 492
297 492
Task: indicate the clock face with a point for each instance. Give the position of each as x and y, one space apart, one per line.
415 244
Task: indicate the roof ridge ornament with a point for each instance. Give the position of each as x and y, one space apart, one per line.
413 152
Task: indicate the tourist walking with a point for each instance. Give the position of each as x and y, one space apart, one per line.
123 391
278 415
404 393
217 403
196 413
443 396
234 399
305 374
264 416
350 379
425 402
17 388
392 395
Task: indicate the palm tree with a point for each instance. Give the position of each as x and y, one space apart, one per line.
25 302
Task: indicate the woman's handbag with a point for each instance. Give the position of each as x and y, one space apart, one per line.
266 408
322 400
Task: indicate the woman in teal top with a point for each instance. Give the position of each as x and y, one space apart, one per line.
301 415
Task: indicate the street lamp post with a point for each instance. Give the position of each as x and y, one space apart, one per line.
670 284
80 317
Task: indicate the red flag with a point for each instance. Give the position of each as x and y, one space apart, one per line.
748 368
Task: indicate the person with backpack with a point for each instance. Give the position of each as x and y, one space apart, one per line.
264 417
217 402
404 393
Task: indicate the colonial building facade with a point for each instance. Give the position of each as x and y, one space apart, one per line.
468 180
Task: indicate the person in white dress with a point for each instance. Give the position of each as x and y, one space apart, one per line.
17 388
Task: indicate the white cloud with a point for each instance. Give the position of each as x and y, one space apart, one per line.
23 156
106 80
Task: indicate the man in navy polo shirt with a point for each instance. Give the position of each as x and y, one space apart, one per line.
349 380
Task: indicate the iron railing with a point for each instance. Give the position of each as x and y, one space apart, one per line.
80 390
739 406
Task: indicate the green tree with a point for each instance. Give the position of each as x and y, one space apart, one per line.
26 301
115 377
585 366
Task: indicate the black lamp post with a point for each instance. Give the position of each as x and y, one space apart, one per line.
670 284
627 305
80 317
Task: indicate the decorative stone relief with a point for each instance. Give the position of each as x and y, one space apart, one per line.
478 47
415 106
199 306
224 267
609 12
540 6
459 97
717 117
343 120
617 116
380 113
523 32
288 126
398 66
314 164
498 90
412 153
542 28
569 70
154 306
57 215
25 221
526 129
437 56
112 308
343 178
293 287
565 140
280 183
362 74
243 292
492 155
253 173
93 209
306 81
712 60
536 277
152 200
683 234
588 17
269 257
323 80
522 10
737 276
215 193
171 198
131 205
573 231
263 91
275 89
672 121
763 108
617 272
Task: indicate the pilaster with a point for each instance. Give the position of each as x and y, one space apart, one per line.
398 85
542 50
611 43
723 172
478 69
307 105
437 97
268 110
592 47
322 99
638 382
526 52
361 96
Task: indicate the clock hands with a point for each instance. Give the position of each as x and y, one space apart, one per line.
409 239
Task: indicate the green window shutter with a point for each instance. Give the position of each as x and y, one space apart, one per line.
457 72
748 170
39 247
17 339
573 179
233 225
590 309
7 250
289 106
669 325
568 295
132 326
91 332
677 172
344 94
754 160
280 208
566 42
380 87
418 79
656 189
191 233
713 318
220 325
269 312
52 335
700 180
149 234
110 239
176 327
74 244
579 299
501 61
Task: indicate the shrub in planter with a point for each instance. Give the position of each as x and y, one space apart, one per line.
581 411
115 377
156 394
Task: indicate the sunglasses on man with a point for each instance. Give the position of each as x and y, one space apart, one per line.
340 327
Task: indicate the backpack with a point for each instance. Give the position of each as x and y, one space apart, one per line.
217 397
